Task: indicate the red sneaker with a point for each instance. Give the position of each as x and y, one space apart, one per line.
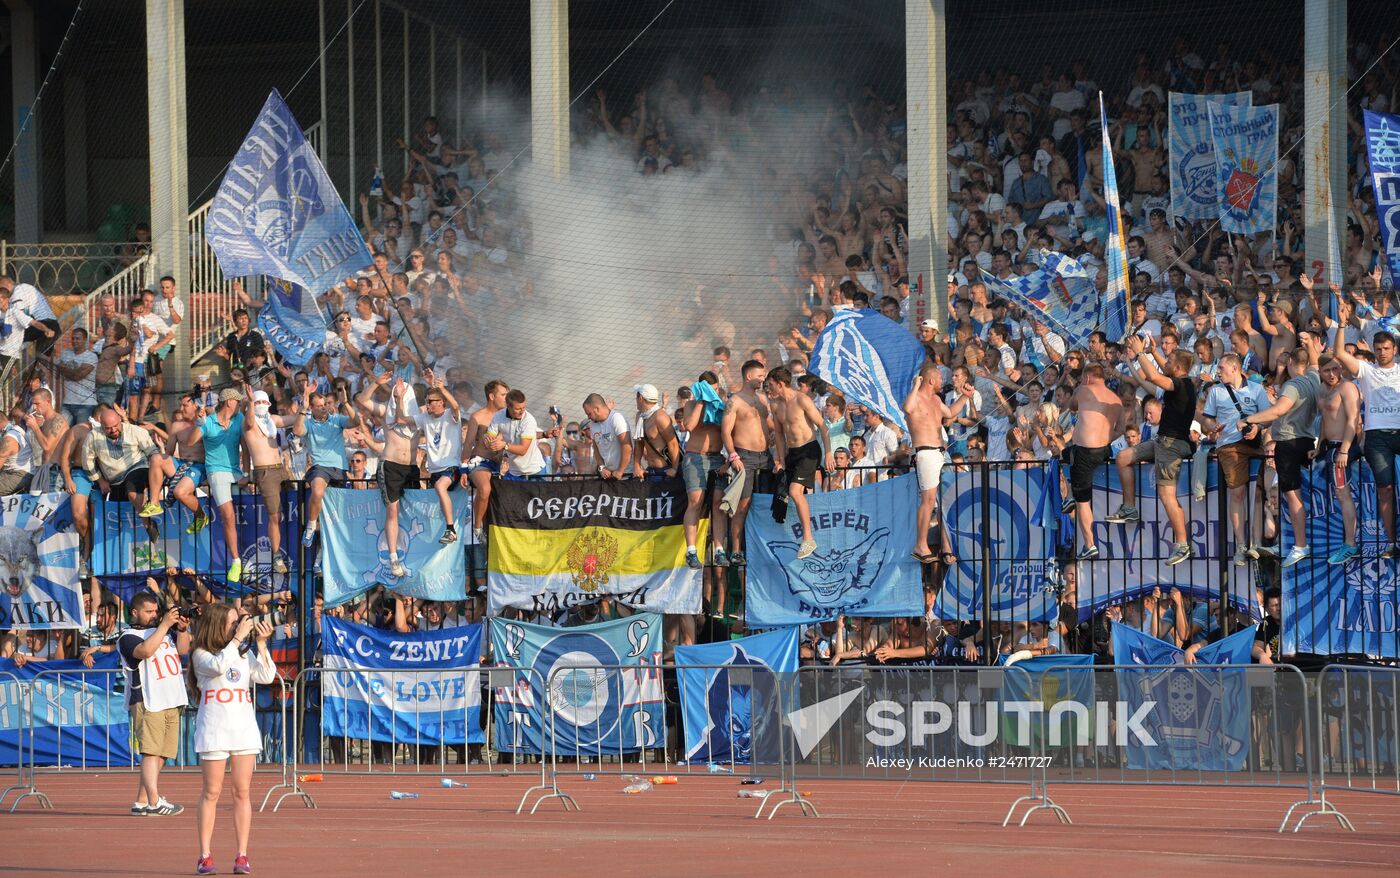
205 866
241 865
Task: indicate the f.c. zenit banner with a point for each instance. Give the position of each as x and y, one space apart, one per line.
425 688
39 586
557 545
587 689
862 566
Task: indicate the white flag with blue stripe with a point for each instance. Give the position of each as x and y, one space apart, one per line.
871 359
1060 293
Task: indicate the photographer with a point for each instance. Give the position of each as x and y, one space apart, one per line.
222 668
156 693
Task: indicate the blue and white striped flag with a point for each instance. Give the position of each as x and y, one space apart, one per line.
1114 317
1060 293
871 359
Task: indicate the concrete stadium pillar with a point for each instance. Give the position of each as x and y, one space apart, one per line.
26 166
1324 150
925 63
170 198
549 85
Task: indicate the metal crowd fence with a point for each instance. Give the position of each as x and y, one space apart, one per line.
83 716
1357 749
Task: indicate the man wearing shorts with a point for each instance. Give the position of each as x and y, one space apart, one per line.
223 439
78 484
1379 384
926 414
397 469
744 432
1340 407
156 696
441 426
1172 444
269 471
484 462
701 462
1231 400
1100 419
120 455
799 437
1294 440
324 430
181 468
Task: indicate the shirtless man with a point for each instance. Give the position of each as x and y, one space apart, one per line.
78 484
182 465
488 462
1101 418
269 472
703 457
926 415
658 452
1339 404
397 469
744 432
48 427
799 437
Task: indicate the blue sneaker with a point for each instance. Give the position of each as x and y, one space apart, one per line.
308 537
1087 552
692 559
1344 555
721 557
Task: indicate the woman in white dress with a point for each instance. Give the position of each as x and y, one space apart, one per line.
223 669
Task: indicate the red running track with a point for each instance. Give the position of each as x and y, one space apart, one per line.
700 827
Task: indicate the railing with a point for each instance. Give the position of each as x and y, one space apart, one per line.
211 300
122 287
315 135
62 269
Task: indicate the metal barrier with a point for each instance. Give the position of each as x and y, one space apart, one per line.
16 708
49 700
1358 714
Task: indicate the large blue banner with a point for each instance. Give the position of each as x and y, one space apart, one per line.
871 359
124 554
1383 149
862 566
1199 719
1048 680
1341 608
292 321
80 718
601 684
277 212
39 563
398 701
734 713
1192 153
1246 163
1061 293
356 552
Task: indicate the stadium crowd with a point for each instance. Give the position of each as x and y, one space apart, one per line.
1236 353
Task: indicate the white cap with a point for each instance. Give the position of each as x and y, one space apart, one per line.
647 392
929 324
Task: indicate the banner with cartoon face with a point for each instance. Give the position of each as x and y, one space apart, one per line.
39 585
356 549
862 565
590 689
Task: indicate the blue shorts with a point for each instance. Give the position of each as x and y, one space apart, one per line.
491 466
443 474
656 474
512 477
188 469
82 482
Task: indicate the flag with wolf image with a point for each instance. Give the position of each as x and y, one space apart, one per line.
39 584
862 565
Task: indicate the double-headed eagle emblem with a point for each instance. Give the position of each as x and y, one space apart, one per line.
589 557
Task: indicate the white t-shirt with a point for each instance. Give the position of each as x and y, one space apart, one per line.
1380 396
34 303
442 439
82 391
159 329
363 331
226 720
516 431
607 435
957 432
880 443
162 682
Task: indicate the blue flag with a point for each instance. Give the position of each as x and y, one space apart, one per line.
871 359
602 684
1114 316
862 566
1049 680
734 713
81 717
356 553
410 708
1246 163
1191 153
277 212
292 321
1383 148
1060 293
1199 719
39 563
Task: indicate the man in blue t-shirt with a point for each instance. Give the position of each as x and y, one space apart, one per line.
325 443
223 438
